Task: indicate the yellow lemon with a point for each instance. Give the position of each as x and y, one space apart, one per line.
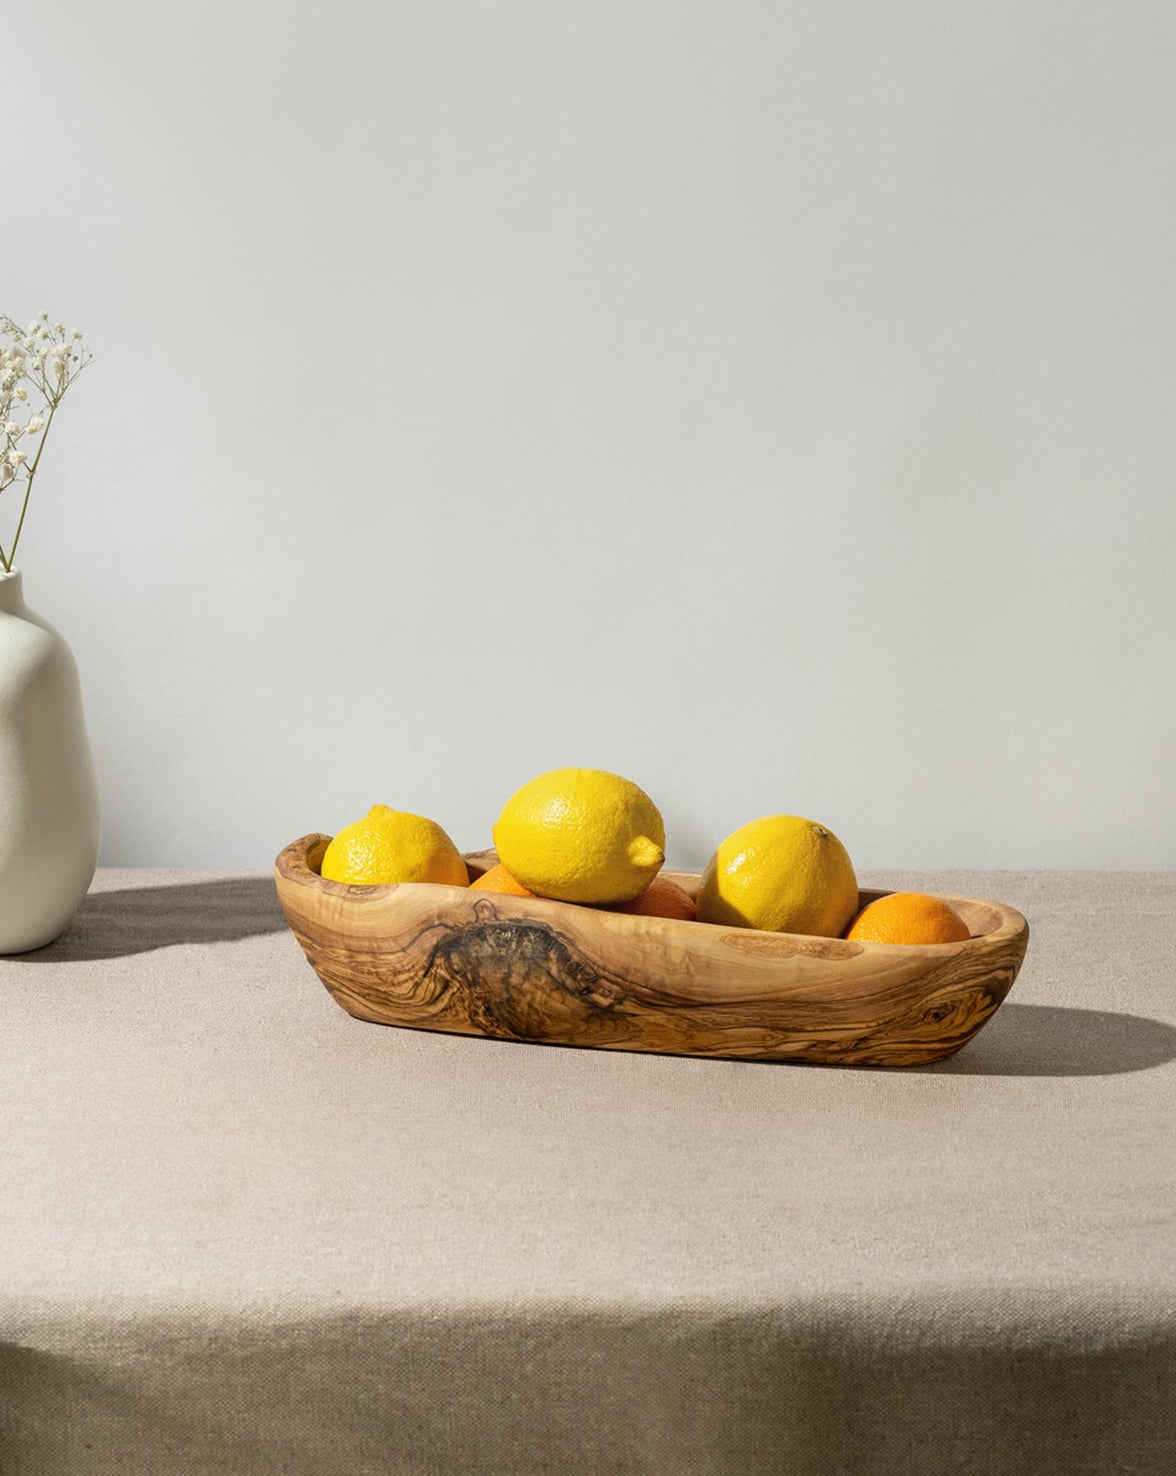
581 835
392 846
782 873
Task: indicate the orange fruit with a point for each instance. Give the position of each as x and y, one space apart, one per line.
908 917
661 898
498 879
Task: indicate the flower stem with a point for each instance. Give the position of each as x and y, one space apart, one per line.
29 487
20 524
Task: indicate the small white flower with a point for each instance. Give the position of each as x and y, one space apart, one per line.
48 356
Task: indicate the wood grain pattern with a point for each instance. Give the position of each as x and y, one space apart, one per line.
529 969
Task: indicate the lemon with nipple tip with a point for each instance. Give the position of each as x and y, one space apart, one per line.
581 835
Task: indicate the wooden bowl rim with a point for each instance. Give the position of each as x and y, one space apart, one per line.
295 864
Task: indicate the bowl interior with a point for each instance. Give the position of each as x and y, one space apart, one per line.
981 917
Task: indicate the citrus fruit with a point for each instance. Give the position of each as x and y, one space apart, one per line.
908 917
784 874
661 898
393 846
498 879
581 835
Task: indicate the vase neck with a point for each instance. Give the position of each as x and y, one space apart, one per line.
11 593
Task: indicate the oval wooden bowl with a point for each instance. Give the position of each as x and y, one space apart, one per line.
528 969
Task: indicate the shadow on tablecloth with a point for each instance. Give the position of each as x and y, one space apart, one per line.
140 919
1055 1040
1021 1040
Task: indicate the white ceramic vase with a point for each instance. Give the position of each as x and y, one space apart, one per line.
49 821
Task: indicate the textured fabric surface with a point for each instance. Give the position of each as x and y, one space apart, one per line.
242 1232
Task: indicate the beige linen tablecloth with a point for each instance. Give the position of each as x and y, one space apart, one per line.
243 1232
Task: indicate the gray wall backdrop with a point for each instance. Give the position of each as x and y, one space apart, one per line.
775 403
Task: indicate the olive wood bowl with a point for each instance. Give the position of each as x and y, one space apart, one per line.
529 969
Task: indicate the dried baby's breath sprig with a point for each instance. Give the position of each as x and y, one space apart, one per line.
37 365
